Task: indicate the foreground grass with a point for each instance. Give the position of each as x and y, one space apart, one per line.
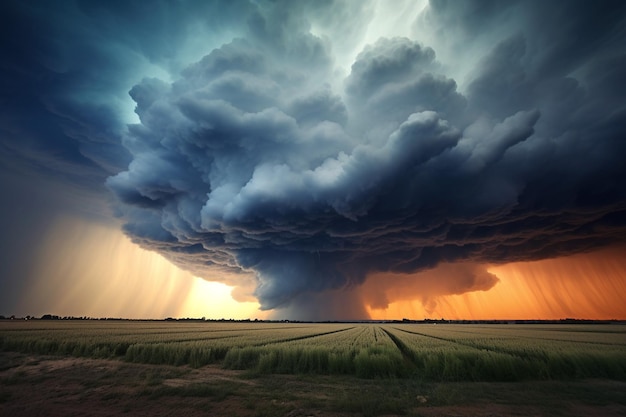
37 385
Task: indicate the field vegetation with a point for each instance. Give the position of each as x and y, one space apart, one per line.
426 352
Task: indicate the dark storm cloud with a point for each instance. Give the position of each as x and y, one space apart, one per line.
426 286
66 70
253 157
45 122
501 141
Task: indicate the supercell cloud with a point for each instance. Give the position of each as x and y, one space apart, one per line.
268 160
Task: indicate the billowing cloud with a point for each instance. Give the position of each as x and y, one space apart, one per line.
426 286
251 161
297 159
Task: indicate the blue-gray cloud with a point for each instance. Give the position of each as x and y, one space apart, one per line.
262 158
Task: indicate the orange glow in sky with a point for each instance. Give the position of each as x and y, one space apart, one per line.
86 269
590 286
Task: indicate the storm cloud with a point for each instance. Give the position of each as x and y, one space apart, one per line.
266 164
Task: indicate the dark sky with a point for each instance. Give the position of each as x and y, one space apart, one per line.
301 147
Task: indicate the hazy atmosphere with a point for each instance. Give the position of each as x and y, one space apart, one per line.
313 159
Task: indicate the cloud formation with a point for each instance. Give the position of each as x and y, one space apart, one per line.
252 161
497 138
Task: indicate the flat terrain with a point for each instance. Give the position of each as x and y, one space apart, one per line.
60 386
59 368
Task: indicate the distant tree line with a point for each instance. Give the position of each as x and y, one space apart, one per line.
405 320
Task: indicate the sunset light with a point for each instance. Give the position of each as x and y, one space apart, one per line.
79 279
313 207
307 160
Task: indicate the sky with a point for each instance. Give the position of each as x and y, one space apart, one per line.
313 159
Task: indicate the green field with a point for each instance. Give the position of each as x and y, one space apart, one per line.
427 352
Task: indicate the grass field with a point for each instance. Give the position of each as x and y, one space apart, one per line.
442 352
298 369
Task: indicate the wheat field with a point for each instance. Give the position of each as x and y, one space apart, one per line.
444 352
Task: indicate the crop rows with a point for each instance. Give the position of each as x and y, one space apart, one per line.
506 353
366 351
176 344
442 352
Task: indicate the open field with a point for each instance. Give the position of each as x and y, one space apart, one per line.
429 352
255 369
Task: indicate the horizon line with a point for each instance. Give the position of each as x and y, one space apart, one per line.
567 320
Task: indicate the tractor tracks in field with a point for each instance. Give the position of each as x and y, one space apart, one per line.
518 352
468 345
526 337
234 338
293 339
406 352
